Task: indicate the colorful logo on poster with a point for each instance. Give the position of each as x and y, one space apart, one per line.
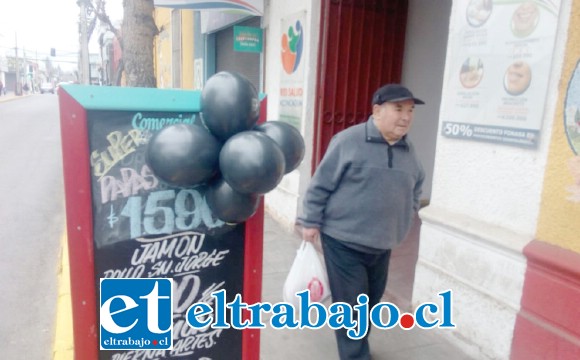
292 44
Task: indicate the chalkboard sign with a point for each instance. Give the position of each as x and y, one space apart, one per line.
124 222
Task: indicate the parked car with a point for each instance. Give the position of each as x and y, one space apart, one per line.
46 88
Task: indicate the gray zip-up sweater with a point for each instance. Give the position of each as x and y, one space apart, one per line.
365 191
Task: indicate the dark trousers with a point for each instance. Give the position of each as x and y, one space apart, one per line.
351 273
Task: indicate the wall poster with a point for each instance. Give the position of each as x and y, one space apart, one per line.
572 129
292 72
498 69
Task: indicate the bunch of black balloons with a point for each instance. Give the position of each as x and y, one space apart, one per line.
237 159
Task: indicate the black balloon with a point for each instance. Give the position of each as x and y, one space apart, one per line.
288 138
183 155
229 104
229 205
251 162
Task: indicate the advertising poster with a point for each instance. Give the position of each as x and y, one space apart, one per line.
501 54
572 130
128 220
292 72
572 111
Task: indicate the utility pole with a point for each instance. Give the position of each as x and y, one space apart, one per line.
18 88
25 75
36 82
84 56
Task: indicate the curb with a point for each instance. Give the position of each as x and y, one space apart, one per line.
63 346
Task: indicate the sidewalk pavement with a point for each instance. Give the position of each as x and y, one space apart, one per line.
395 344
10 96
280 248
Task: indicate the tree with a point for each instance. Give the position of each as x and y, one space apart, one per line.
139 31
136 37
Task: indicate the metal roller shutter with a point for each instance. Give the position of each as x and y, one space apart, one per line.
247 64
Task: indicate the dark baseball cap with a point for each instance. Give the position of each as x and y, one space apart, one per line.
393 93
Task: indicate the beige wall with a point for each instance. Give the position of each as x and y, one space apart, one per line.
187 49
163 48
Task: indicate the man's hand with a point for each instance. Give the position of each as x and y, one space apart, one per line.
310 234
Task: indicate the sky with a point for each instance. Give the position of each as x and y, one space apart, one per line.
39 25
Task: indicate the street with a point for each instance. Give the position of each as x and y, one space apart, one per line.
32 218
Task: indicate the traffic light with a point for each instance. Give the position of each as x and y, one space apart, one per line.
52 52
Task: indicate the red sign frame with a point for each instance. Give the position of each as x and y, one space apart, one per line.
79 215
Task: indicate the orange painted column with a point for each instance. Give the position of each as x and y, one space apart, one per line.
548 324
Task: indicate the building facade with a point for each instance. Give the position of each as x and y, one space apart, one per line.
498 138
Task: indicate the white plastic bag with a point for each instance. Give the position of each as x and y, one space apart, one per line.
306 273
